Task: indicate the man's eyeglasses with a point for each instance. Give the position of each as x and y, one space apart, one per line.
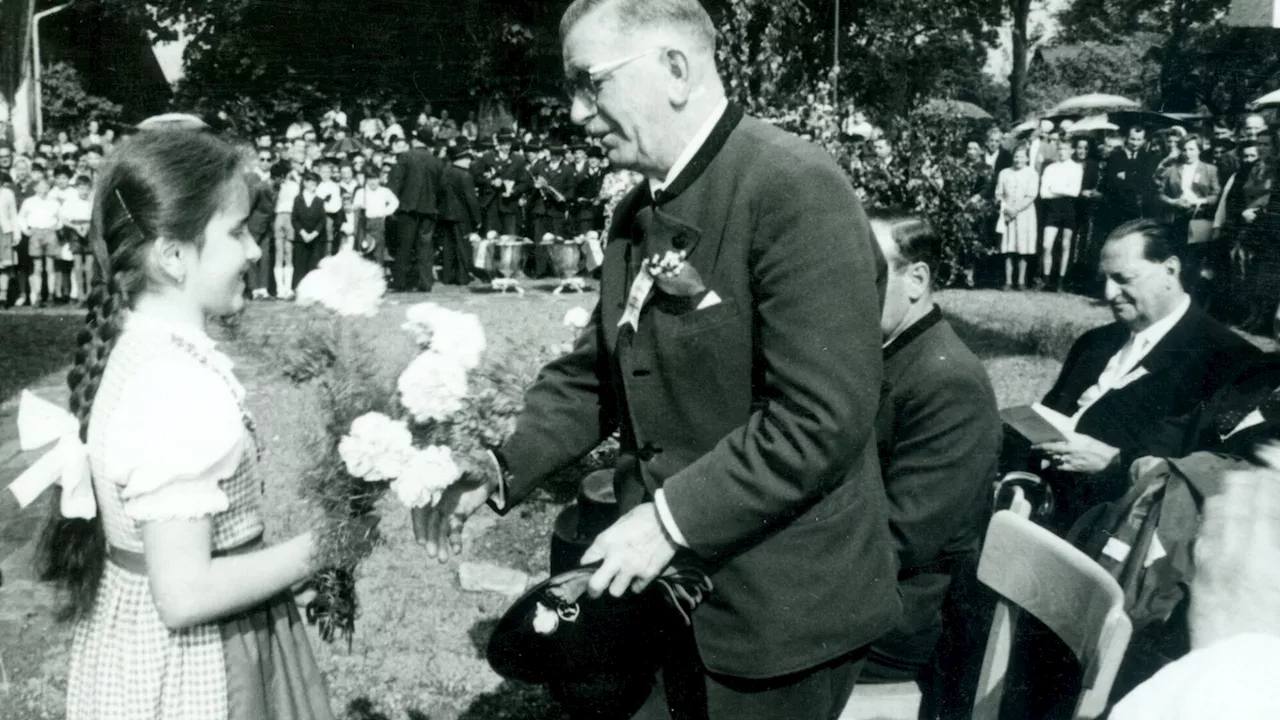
586 83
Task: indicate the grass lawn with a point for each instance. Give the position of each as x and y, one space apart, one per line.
418 648
34 343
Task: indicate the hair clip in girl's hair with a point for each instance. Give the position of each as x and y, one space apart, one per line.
124 206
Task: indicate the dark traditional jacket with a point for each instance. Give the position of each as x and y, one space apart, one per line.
755 415
459 203
938 433
416 180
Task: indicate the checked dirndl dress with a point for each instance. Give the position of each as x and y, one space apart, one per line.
169 439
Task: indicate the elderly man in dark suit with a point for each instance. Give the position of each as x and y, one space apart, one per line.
416 182
1160 358
743 379
938 435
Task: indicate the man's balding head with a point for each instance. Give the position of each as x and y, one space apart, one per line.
687 17
641 76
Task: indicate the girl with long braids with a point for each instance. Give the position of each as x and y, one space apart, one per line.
181 611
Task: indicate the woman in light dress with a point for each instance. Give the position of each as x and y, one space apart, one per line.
1016 191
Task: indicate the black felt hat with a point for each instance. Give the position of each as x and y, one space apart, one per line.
460 149
601 655
577 526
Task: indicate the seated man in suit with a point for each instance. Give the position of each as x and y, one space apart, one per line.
1159 359
1225 433
938 435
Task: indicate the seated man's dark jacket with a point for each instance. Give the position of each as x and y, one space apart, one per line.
1255 386
938 433
1157 643
1187 366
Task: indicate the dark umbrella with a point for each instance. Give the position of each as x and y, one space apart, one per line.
956 109
1154 120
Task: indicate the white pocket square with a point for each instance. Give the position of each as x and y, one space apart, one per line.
711 299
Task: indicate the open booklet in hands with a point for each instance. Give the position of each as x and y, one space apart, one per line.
1037 423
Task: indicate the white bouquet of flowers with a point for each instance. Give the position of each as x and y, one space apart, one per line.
456 334
376 448
345 283
425 476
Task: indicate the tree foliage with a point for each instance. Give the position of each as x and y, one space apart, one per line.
261 61
931 178
1089 67
1202 63
65 103
894 56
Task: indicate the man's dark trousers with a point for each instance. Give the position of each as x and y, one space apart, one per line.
415 251
685 691
455 253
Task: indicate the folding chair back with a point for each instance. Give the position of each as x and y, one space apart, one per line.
1035 571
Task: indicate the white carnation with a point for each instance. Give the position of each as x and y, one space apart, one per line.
456 334
376 448
426 475
577 318
433 386
345 283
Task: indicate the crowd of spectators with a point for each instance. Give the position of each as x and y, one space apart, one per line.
1056 195
415 199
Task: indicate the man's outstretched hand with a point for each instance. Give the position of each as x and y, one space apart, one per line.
440 527
634 551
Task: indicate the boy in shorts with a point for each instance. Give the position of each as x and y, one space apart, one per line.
74 217
38 220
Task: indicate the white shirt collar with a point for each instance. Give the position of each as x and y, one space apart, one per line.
1147 339
695 144
136 320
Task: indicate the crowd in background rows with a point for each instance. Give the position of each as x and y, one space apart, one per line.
414 200
1046 200
1056 194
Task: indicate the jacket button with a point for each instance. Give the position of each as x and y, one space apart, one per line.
680 241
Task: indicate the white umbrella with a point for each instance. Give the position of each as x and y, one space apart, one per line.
1094 103
1092 123
955 108
1026 127
1271 99
173 121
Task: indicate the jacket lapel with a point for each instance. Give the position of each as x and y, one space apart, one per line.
1174 346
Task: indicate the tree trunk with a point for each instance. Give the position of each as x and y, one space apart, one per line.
1021 9
1176 93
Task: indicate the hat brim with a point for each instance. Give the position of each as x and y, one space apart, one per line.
607 635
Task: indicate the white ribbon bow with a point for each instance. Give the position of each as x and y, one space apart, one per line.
40 422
